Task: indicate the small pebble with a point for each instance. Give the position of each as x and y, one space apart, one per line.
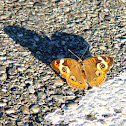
2 104
58 82
35 109
102 47
72 104
25 110
117 111
2 69
91 117
20 68
31 89
10 111
3 76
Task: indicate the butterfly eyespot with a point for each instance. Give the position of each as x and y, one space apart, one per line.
98 73
73 78
64 69
95 79
102 66
79 82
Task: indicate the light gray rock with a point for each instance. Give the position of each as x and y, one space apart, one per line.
35 109
31 89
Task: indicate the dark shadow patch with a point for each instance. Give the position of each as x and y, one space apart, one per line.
47 49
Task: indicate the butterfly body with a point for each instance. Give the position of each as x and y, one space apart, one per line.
90 72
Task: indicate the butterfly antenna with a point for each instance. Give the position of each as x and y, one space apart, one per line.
84 52
74 54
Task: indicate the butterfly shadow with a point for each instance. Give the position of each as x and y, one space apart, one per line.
47 49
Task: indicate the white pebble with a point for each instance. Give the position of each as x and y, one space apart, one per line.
31 89
35 109
10 111
2 104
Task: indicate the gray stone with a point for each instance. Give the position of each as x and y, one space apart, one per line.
35 109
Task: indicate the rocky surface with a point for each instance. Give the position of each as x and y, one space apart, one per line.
33 33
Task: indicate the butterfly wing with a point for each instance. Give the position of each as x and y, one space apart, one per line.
71 70
95 69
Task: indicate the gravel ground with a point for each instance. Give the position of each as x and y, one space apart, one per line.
33 33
